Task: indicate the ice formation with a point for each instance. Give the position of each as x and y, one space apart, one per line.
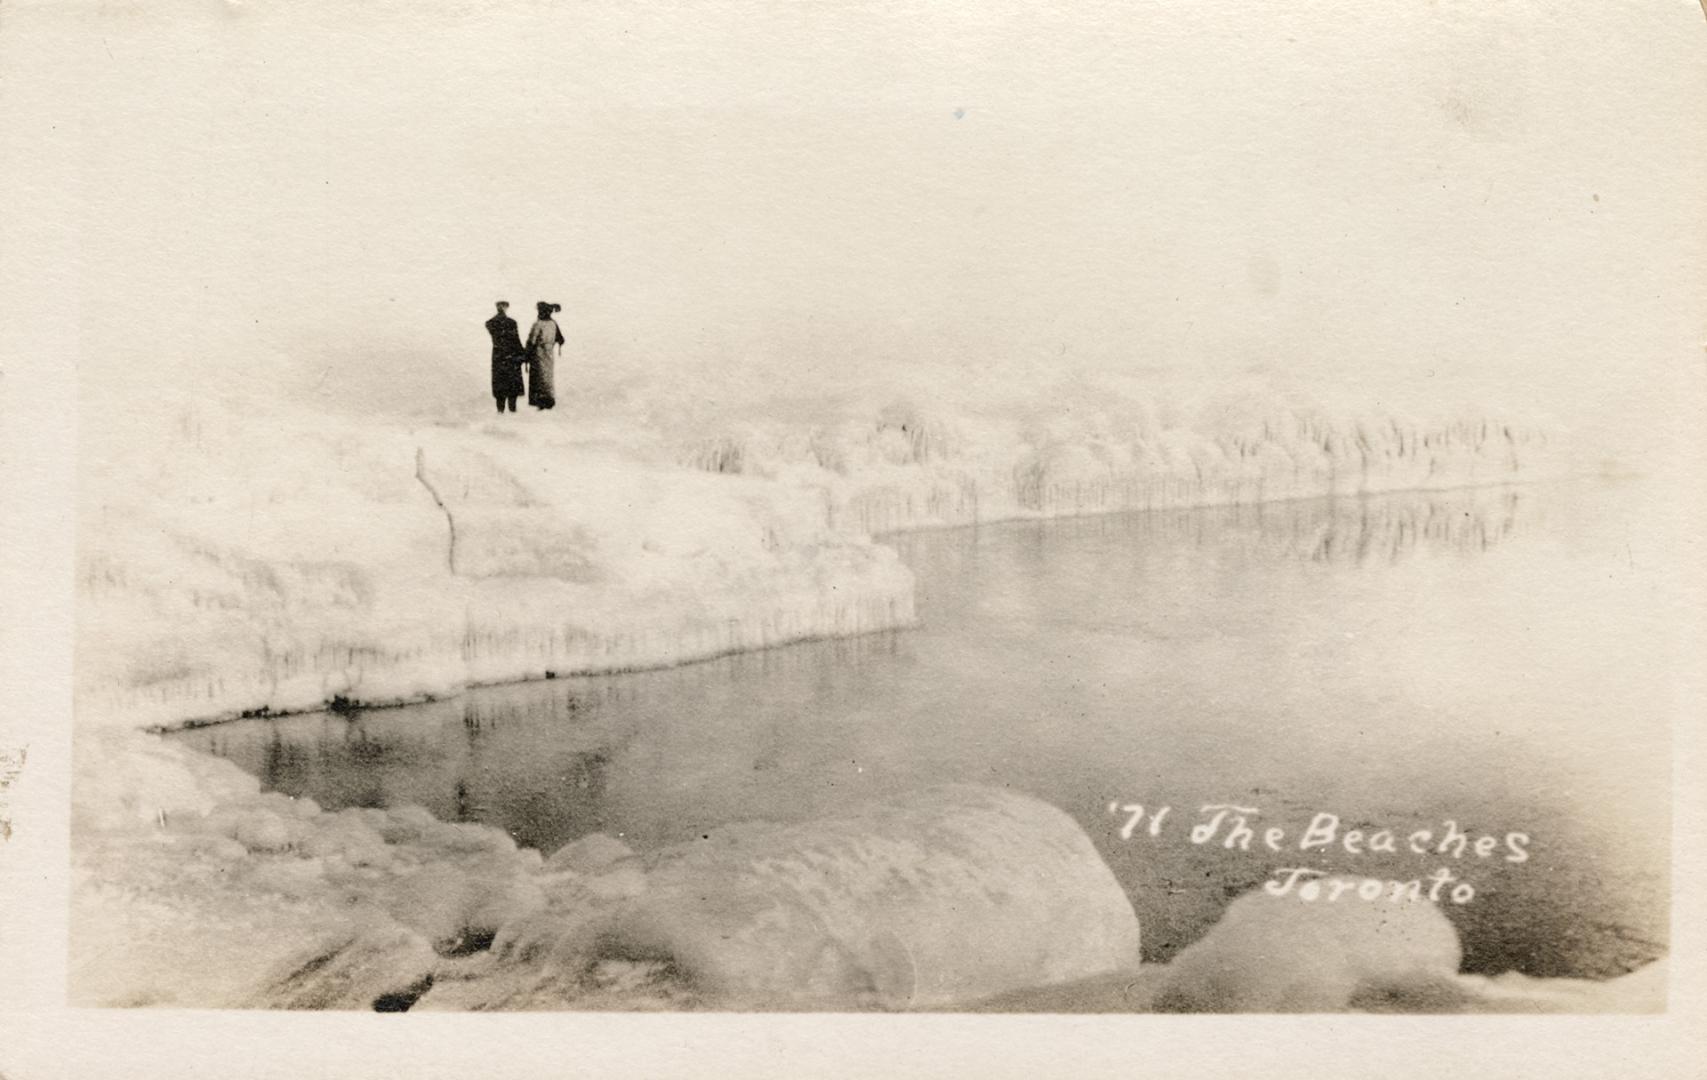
251 556
1271 954
378 563
1286 954
904 468
926 899
247 556
193 888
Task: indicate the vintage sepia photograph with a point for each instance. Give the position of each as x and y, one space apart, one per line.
775 508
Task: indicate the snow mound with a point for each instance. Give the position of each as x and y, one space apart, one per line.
1069 445
191 888
1285 954
926 899
264 560
919 900
194 889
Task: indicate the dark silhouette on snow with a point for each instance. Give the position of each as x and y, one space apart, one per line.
507 358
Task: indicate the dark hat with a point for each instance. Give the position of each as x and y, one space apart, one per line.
545 308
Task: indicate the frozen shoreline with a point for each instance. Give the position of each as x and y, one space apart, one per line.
388 562
379 563
341 706
193 888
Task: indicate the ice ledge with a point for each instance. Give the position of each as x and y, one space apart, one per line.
336 563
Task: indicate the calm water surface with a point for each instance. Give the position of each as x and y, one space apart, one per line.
1487 657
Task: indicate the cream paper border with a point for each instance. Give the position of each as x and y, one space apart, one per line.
49 322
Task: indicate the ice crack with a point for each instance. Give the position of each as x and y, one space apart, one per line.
421 475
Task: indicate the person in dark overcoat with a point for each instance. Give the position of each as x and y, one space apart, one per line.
507 358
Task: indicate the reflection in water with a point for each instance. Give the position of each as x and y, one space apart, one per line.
1343 531
478 758
1398 660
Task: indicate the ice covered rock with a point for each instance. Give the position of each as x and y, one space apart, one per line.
346 835
618 882
589 854
1272 953
122 781
923 899
267 901
261 830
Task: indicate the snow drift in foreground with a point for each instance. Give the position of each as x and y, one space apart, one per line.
191 888
249 556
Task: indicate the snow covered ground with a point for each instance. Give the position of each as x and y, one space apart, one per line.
249 554
192 888
282 561
254 555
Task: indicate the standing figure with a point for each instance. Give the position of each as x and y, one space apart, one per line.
507 358
543 341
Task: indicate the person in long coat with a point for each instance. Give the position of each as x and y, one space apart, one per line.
543 340
507 358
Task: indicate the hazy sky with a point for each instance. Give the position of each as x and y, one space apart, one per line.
1503 194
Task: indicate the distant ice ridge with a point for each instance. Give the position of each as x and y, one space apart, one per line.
903 467
246 555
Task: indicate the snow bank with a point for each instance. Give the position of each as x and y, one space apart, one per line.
257 559
1059 444
1271 954
246 555
250 556
928 899
925 899
193 888
1285 954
